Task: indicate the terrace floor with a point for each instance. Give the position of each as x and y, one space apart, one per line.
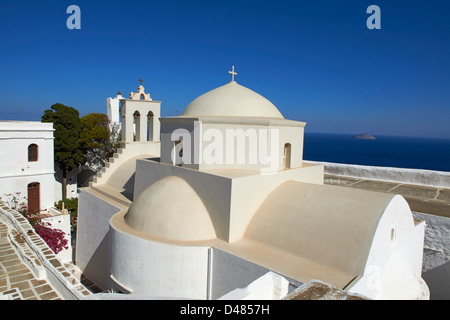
430 200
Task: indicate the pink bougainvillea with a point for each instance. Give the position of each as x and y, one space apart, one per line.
55 238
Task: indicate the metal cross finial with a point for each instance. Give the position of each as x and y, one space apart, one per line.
232 73
140 81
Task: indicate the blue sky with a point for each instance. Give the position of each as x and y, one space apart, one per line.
315 60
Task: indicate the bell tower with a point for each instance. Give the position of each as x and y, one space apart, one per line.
140 117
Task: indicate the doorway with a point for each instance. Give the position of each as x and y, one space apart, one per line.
34 205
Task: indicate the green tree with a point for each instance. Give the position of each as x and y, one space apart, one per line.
68 150
99 138
94 130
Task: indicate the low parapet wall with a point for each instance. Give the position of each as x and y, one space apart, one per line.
421 177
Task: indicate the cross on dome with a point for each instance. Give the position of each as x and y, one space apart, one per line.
232 73
140 81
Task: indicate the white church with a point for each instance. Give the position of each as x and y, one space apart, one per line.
198 205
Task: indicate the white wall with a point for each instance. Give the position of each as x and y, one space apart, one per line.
16 172
20 184
151 268
62 222
402 175
168 126
232 144
393 268
92 253
71 183
230 272
231 202
143 106
246 199
112 109
436 261
216 199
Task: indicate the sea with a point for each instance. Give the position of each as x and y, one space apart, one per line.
384 151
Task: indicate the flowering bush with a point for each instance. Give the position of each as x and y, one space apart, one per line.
55 238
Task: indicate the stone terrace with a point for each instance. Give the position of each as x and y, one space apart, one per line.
16 279
29 270
424 199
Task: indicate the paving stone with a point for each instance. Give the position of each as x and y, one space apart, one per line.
437 208
15 278
340 180
27 294
49 296
18 271
7 251
375 185
55 263
444 195
12 263
43 289
24 285
416 191
21 277
37 283
423 199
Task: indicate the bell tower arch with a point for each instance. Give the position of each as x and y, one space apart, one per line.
136 113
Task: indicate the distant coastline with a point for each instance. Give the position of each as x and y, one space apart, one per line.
365 136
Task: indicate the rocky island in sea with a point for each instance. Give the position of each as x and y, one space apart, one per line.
366 136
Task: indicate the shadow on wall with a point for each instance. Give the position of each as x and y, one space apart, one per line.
84 177
97 266
438 280
129 188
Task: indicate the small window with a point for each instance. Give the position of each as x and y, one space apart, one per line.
393 235
287 156
32 152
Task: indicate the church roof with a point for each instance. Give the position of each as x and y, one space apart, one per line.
171 209
232 100
337 232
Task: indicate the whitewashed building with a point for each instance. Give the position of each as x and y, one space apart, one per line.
27 173
222 196
26 153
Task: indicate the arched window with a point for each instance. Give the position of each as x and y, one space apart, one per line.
32 152
177 153
287 156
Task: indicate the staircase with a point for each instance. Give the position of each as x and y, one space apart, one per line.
124 153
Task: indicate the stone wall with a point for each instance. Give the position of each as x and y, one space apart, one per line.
436 255
402 175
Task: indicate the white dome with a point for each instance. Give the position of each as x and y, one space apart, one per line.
171 209
232 100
